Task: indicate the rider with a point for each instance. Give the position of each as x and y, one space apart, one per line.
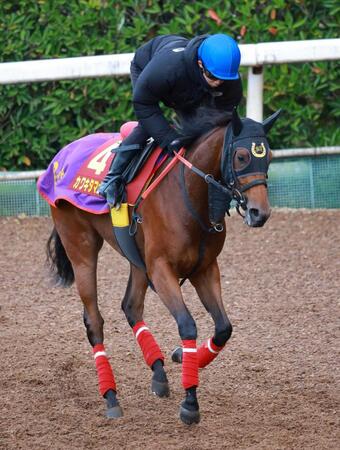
182 74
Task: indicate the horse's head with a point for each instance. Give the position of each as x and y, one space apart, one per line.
244 166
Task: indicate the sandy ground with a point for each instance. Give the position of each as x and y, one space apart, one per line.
275 386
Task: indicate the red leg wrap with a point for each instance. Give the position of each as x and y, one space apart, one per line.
105 375
147 343
207 352
189 364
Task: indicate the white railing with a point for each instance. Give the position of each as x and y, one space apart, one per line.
255 56
277 154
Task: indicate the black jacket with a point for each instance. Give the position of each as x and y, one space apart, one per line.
169 73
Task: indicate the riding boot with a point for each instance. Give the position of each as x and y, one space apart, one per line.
113 185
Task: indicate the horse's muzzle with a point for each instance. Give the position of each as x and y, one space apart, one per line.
255 217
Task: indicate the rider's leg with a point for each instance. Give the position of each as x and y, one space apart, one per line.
113 185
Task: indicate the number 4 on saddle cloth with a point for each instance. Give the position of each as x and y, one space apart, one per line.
77 171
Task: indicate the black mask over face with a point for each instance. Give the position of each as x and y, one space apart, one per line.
246 150
247 153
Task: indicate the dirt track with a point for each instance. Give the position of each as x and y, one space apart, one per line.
275 386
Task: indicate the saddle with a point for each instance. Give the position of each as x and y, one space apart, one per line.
142 166
137 163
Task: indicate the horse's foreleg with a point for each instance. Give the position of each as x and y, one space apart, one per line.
82 244
133 307
208 286
167 287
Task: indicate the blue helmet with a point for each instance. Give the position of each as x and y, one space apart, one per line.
221 56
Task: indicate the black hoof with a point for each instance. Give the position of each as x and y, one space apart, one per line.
177 355
159 388
114 412
189 417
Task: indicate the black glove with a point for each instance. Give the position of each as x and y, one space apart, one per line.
177 144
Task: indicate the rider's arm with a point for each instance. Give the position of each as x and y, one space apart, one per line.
150 87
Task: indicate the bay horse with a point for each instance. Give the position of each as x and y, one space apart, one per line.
177 239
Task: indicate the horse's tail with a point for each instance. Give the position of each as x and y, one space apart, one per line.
60 265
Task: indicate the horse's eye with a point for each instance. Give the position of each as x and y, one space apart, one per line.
241 158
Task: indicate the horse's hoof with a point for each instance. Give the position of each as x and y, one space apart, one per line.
159 388
189 417
114 412
177 355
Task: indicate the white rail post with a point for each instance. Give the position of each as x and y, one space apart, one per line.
255 93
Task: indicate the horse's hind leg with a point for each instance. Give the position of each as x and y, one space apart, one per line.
82 244
208 287
133 307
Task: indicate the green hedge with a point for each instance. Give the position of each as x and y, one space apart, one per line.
37 119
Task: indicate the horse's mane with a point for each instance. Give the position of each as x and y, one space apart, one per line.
201 121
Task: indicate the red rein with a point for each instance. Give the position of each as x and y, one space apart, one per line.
160 177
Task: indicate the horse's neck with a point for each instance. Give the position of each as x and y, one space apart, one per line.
177 204
207 155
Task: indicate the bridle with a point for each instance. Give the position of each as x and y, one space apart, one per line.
258 164
229 186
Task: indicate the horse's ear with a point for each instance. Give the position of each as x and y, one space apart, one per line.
236 123
269 122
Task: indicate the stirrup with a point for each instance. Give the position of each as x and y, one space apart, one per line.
106 183
119 196
113 190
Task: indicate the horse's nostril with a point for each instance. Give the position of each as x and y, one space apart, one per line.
256 217
254 212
